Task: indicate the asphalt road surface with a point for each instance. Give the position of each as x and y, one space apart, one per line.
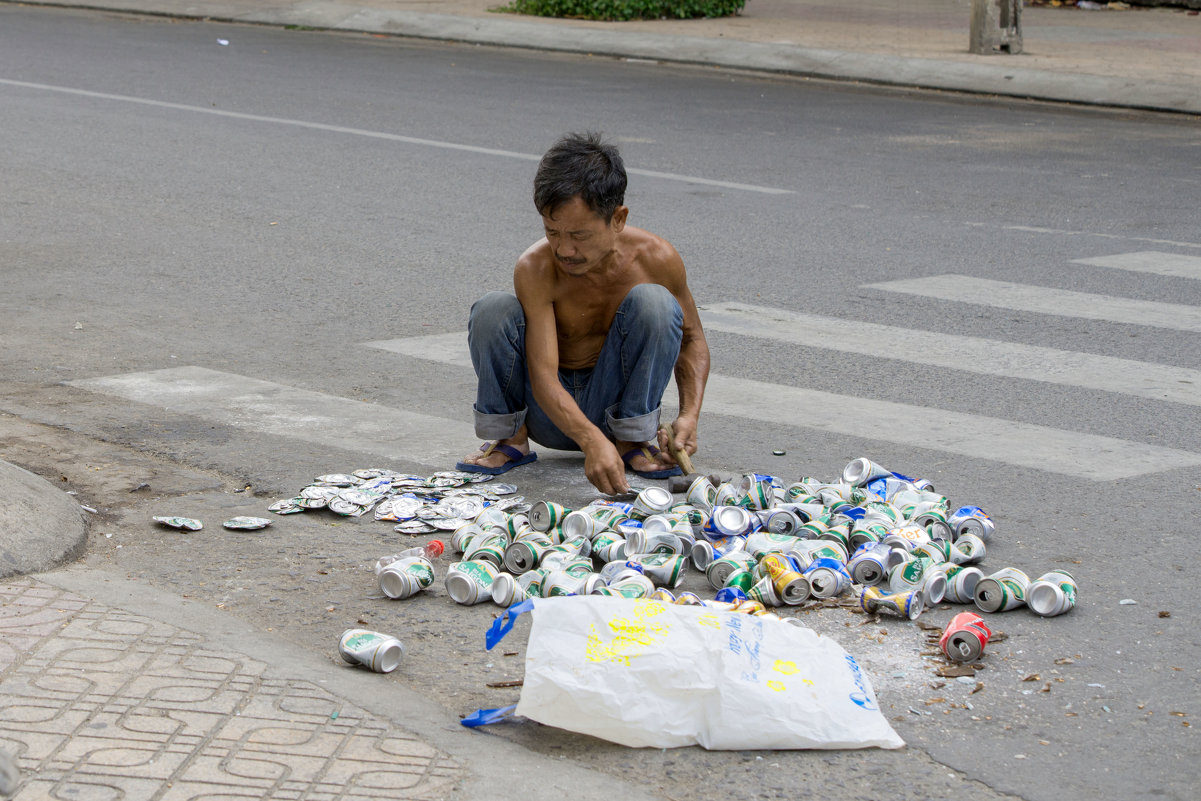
228 269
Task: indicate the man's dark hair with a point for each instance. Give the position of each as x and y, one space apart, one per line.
583 165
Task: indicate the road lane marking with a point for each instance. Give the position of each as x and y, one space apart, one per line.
1031 229
445 348
1047 300
1149 261
1036 447
270 408
410 140
970 354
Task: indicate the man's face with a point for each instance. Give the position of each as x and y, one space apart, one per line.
579 238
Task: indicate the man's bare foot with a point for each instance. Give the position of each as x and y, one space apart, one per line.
490 455
640 461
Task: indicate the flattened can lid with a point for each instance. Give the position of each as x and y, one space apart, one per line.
246 523
414 527
287 506
185 523
338 480
344 507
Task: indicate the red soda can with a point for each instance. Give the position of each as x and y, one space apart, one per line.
965 637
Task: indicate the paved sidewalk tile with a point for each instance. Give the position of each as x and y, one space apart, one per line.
98 703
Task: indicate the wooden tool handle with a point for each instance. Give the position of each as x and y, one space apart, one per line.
679 454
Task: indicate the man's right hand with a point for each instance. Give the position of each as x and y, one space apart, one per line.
605 469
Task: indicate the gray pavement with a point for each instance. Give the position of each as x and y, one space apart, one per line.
1143 58
111 688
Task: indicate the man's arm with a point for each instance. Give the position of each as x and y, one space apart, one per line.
602 464
692 366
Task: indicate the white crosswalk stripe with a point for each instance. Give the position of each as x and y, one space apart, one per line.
1150 261
1037 447
277 409
1045 300
271 408
970 354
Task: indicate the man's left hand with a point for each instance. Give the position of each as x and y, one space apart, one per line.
684 430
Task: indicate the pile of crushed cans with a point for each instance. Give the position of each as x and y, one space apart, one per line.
886 541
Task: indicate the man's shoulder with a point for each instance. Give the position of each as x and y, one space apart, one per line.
652 251
537 258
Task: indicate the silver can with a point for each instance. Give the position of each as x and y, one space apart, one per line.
506 591
1052 593
470 582
1003 590
406 577
961 584
380 652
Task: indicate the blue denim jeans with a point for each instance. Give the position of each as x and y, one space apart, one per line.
620 394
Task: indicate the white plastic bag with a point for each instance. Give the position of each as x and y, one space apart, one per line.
648 674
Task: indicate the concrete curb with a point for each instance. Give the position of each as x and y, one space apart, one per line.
41 527
562 36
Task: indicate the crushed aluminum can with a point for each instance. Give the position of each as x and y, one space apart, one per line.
961 583
719 570
1052 593
863 470
701 493
525 554
809 550
869 566
972 520
965 637
665 570
899 604
470 582
779 521
791 587
185 523
506 591
643 542
730 521
1002 591
380 652
406 577
545 515
246 523
755 491
910 575
968 548
764 591
828 578
651 501
636 586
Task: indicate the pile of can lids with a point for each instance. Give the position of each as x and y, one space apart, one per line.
444 501
886 541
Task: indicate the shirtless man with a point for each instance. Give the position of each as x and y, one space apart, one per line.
580 358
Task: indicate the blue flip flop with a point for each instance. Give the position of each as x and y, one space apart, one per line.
516 459
650 452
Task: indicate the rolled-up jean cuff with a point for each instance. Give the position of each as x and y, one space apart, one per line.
498 426
643 428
